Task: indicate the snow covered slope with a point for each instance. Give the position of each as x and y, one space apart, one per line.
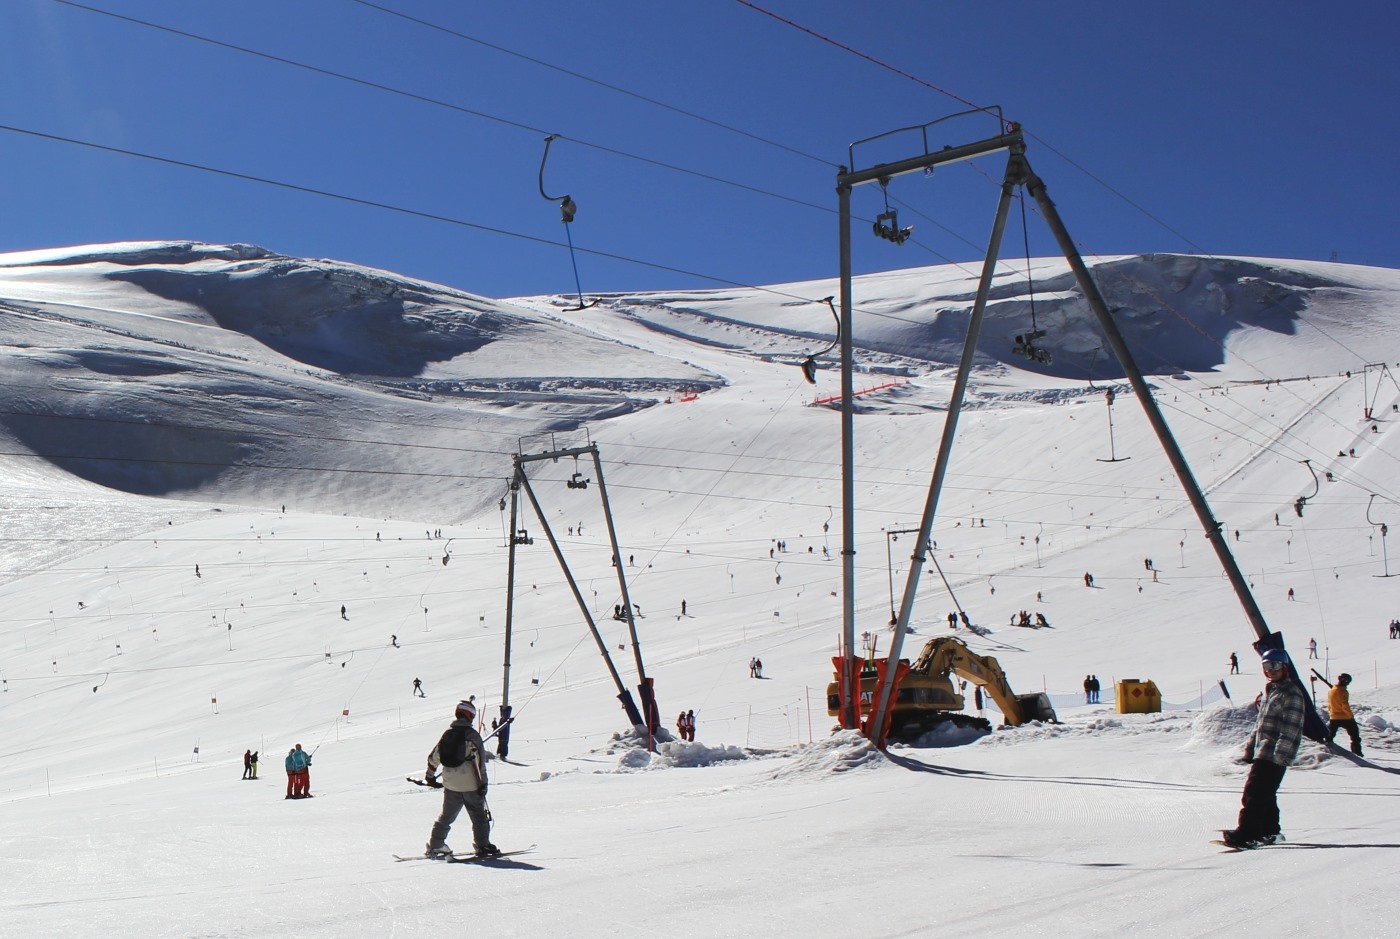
170 368
212 450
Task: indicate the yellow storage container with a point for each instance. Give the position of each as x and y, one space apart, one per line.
1138 697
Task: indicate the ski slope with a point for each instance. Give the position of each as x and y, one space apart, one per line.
314 435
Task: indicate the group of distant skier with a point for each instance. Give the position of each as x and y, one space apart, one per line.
685 725
298 765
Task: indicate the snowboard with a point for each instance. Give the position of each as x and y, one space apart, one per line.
1225 848
464 858
1232 849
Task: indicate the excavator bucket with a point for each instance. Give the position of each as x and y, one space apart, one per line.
1037 707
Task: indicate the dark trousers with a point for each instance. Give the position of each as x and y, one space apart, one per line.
452 804
1259 804
1348 724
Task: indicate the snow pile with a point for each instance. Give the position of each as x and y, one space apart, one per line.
1378 734
842 752
630 748
1229 728
1377 723
1223 727
1312 755
1033 731
948 735
692 754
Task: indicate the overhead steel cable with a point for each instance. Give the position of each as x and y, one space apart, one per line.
871 59
418 213
521 126
437 102
595 81
374 204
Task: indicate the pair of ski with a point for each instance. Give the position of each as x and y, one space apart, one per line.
462 858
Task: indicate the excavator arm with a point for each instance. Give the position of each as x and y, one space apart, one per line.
948 654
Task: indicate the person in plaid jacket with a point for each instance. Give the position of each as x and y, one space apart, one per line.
1270 751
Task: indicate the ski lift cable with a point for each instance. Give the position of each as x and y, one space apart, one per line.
660 164
719 124
722 475
943 91
174 425
662 104
1026 237
272 431
1279 444
594 81
428 216
869 58
424 99
539 684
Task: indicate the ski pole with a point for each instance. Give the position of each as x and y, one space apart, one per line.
499 727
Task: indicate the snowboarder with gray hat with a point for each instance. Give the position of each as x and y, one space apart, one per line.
460 752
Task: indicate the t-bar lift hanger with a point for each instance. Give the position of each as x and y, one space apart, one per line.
567 210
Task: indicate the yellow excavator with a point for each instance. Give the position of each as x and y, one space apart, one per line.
927 697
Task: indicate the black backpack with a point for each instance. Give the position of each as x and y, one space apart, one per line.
452 748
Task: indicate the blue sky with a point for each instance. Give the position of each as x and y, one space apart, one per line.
1250 128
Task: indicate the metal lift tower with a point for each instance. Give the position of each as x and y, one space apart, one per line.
1018 173
520 482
